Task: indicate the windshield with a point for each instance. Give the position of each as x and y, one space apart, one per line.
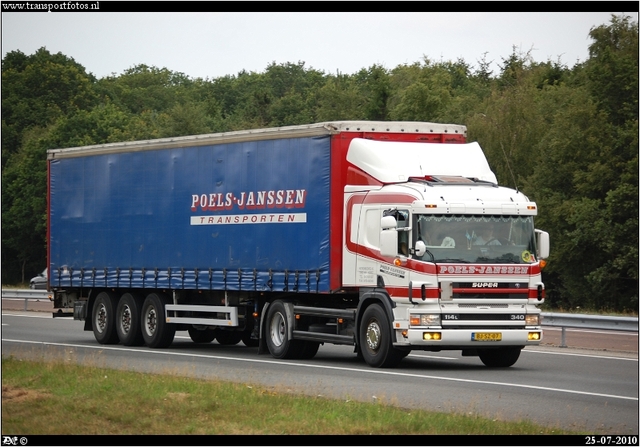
476 239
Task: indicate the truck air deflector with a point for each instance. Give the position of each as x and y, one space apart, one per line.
394 161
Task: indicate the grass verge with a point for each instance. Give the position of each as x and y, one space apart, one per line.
58 398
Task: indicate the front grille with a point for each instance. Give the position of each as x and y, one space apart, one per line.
490 290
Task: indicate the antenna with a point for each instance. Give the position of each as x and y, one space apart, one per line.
509 166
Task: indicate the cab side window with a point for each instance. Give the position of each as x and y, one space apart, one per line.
402 218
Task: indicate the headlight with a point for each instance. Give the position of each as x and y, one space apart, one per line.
424 319
532 320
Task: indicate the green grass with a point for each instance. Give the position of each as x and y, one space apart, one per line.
63 398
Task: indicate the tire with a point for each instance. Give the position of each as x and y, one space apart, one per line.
499 358
375 339
228 338
248 341
309 350
103 318
277 329
202 335
128 320
157 333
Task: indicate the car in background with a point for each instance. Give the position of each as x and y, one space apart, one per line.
40 281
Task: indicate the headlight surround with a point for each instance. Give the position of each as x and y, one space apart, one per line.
532 320
424 319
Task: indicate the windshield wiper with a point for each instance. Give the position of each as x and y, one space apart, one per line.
507 258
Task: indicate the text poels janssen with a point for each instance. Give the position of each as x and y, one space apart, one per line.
273 201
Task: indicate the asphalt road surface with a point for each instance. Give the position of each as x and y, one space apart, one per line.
613 341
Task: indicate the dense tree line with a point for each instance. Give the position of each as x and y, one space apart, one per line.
565 136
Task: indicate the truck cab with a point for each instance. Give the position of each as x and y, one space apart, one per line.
458 255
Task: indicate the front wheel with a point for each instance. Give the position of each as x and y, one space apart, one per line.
375 339
157 333
103 318
499 358
309 350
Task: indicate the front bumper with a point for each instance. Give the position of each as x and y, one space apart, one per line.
468 338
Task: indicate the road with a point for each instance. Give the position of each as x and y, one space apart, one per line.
593 390
574 338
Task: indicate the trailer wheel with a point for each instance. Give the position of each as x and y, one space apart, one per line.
499 358
375 339
157 333
103 317
277 328
201 335
228 338
128 320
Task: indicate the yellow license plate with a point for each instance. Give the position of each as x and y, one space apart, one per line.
486 336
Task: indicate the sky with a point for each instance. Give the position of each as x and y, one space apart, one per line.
209 45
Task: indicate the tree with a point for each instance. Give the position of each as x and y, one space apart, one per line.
613 68
24 209
586 179
38 89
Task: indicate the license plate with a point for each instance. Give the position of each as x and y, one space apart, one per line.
486 336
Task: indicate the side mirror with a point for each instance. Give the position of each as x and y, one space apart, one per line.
388 236
420 248
542 241
388 222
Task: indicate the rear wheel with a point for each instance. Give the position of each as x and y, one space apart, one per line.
128 320
375 339
103 318
277 331
248 341
157 333
499 358
202 335
228 338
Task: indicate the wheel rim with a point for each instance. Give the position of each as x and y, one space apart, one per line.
151 322
277 329
101 318
373 336
125 320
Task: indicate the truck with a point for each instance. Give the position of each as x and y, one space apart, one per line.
368 234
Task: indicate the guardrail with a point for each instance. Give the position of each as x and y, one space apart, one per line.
562 320
26 295
584 321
